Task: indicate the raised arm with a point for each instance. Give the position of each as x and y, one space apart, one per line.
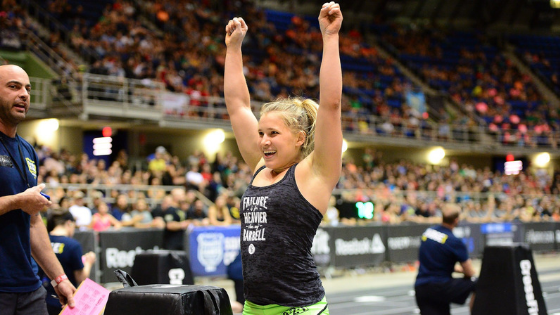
327 157
236 92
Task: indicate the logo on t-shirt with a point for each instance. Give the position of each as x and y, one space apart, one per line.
434 236
254 217
251 249
5 161
58 248
32 167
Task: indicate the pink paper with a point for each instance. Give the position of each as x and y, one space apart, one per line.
90 299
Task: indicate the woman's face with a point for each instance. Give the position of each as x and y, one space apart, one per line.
280 147
103 208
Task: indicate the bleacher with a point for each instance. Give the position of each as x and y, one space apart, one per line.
541 54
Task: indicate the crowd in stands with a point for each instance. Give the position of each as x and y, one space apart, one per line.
186 53
208 192
182 47
540 53
492 90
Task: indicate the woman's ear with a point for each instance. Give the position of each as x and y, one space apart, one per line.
301 138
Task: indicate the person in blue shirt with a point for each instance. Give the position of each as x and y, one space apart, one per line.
23 236
439 253
69 253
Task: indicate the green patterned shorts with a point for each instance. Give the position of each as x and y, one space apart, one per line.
319 308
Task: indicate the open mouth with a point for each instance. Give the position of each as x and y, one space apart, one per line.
269 153
20 106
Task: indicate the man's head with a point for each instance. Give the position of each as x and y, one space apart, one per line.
79 198
14 95
167 202
62 219
450 214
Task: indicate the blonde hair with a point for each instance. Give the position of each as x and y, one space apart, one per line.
299 114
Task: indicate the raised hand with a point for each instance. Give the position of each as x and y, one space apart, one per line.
330 18
235 32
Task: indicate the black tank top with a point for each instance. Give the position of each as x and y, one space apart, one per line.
277 229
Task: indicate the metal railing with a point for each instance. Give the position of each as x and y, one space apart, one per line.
153 194
64 92
39 93
387 196
152 102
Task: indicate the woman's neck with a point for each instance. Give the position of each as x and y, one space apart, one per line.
278 171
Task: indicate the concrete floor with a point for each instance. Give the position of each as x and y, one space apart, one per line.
345 287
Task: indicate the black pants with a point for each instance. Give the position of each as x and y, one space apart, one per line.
435 298
29 303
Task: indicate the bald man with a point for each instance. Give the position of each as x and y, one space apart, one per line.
439 254
23 235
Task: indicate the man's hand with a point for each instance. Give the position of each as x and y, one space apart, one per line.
32 202
235 32
65 291
330 18
89 258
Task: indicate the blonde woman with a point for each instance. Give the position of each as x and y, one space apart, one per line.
295 153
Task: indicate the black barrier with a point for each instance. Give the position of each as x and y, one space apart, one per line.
87 240
540 236
557 236
508 283
323 246
341 246
358 246
471 236
162 267
403 242
119 248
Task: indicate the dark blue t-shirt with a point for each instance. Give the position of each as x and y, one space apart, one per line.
439 252
69 253
17 272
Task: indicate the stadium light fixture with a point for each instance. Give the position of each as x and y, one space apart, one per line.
48 125
213 140
436 155
542 159
215 137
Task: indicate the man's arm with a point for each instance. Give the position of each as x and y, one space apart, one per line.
82 274
468 269
29 201
44 255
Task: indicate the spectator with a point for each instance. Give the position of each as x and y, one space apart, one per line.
140 216
158 164
97 198
175 223
121 207
198 214
103 220
218 213
81 213
69 253
195 180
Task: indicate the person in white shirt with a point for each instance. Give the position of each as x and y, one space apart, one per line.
81 213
